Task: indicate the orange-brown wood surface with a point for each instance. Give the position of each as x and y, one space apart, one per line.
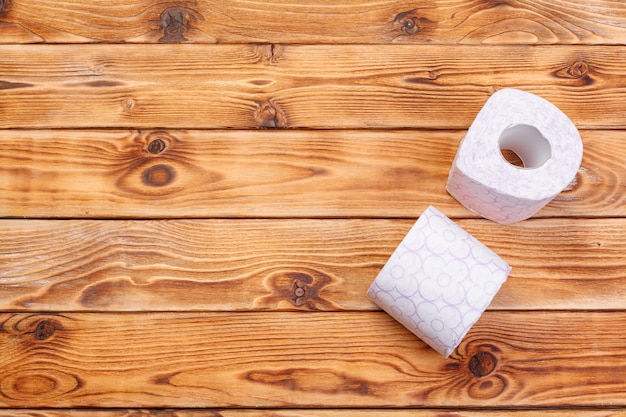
315 21
273 359
236 265
247 86
196 195
267 173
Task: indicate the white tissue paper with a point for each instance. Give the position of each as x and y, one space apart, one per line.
439 281
546 141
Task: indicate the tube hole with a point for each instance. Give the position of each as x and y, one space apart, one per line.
523 146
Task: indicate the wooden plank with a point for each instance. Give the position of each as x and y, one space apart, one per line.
165 174
344 86
320 21
308 360
313 413
231 265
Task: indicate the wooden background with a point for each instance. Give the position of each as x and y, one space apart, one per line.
196 195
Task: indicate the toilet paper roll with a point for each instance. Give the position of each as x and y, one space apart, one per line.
543 137
439 281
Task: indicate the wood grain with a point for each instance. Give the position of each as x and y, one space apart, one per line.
196 195
313 413
233 265
343 86
319 21
308 360
199 174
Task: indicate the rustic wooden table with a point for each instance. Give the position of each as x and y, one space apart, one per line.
196 195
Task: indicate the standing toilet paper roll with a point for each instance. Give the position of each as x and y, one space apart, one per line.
438 281
544 138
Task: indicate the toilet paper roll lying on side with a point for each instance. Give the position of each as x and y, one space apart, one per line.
439 281
544 138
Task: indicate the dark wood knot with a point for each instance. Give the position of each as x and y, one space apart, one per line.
158 142
408 22
158 175
174 22
157 146
482 364
45 329
302 289
299 293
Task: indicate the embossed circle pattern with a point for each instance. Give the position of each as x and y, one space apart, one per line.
439 281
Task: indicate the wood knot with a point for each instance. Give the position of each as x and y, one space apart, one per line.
157 146
269 115
301 289
4 5
45 329
408 22
158 142
39 384
158 175
578 69
482 364
174 22
299 293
